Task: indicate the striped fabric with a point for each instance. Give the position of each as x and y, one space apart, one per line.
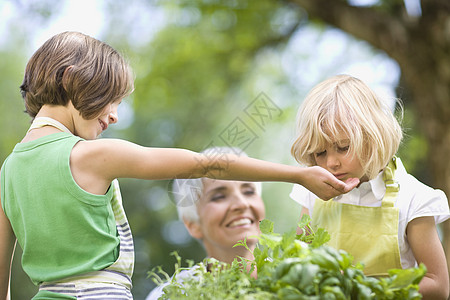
113 282
90 290
125 263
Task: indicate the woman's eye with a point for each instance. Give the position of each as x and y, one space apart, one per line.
217 197
249 192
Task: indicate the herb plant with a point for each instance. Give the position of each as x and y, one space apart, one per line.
289 266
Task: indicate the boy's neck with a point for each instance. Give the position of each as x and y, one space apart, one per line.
62 114
57 112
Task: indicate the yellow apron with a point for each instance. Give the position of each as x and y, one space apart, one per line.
369 234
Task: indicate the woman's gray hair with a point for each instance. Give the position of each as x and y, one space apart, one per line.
187 192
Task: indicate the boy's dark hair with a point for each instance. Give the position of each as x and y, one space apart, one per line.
74 66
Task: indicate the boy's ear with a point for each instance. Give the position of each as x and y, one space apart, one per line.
194 228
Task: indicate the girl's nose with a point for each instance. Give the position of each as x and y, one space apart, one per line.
333 161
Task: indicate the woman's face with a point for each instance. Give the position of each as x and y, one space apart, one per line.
228 211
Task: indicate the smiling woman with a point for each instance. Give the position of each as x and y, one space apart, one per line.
228 211
219 213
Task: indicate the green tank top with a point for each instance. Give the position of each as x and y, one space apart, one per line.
62 229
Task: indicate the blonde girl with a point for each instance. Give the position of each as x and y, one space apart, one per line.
389 220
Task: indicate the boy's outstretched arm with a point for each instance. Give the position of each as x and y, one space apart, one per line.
120 159
316 179
7 242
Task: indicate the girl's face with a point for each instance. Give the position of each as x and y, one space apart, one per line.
228 211
336 159
91 129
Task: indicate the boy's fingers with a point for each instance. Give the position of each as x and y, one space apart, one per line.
345 186
350 184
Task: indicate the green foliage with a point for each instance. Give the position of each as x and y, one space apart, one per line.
13 125
289 268
193 78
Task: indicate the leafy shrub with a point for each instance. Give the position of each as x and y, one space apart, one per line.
289 268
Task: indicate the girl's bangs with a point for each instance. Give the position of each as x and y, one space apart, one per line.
319 138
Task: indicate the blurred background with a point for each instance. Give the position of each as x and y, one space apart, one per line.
234 72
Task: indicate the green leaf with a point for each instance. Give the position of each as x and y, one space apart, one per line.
405 277
304 221
321 237
266 226
288 238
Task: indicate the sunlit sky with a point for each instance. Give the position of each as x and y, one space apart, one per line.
81 15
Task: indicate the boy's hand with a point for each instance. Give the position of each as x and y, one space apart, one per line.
324 185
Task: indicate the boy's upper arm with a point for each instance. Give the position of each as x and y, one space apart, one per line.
427 248
7 241
113 158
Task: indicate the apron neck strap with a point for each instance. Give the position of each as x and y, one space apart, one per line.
392 186
46 121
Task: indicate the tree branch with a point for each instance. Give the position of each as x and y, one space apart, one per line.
381 29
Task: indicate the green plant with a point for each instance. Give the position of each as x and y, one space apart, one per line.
290 266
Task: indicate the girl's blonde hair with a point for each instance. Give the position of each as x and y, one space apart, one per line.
72 66
345 106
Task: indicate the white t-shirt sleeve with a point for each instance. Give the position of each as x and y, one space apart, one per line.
303 196
428 202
